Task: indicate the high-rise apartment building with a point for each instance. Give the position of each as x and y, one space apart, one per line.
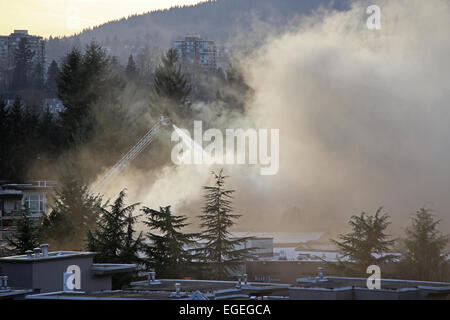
194 50
8 47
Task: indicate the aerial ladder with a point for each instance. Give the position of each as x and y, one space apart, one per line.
130 155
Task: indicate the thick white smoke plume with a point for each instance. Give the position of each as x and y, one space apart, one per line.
364 121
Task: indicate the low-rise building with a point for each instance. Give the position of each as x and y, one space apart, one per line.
42 271
14 197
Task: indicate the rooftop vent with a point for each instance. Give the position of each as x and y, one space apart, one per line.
3 282
44 248
178 293
29 254
37 252
152 278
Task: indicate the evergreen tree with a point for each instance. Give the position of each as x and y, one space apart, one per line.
169 82
166 253
424 249
73 213
50 84
367 244
37 79
71 91
27 235
84 80
221 253
130 69
113 238
17 155
4 138
49 133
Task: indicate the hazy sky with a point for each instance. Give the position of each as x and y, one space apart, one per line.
65 17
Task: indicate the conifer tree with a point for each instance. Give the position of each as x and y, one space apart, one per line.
83 80
72 214
131 69
367 244
424 249
50 83
27 235
113 237
166 253
222 254
169 81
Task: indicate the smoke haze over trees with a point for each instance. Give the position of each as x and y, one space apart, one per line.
216 20
362 115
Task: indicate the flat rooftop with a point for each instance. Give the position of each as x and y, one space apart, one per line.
14 292
165 290
344 282
51 256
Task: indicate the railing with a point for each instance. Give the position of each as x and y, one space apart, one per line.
44 183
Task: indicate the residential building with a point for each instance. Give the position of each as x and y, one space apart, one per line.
195 50
14 197
9 45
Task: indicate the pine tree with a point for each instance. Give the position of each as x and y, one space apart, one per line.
169 82
166 253
27 235
37 77
73 213
17 155
71 91
83 80
367 244
221 253
113 238
424 249
50 83
4 139
131 70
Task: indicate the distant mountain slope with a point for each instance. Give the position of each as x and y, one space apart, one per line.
216 20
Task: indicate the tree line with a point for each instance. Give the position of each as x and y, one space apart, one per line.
421 254
96 93
79 220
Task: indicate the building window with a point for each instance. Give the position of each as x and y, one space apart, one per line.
35 202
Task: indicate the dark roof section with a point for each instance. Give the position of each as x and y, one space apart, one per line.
109 268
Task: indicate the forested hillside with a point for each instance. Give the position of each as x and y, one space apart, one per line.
218 20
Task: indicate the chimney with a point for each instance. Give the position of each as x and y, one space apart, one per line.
44 248
29 254
37 252
178 289
245 279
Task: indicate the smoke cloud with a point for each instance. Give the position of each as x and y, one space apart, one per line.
363 117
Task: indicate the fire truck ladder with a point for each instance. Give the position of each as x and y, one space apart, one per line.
130 155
